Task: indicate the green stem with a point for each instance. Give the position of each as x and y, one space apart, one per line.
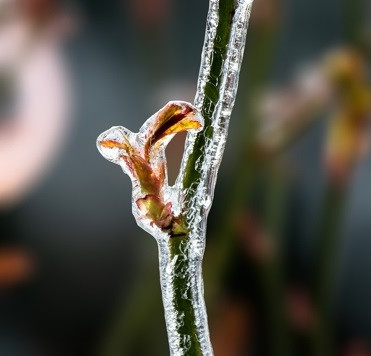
328 239
182 277
211 91
272 270
182 292
183 297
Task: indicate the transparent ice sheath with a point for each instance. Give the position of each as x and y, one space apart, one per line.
158 207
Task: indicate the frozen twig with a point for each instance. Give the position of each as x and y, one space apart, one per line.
176 215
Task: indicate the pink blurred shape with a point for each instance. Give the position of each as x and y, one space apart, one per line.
31 137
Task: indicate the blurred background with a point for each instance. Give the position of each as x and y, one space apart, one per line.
287 267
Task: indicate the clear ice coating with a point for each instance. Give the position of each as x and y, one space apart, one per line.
141 155
175 216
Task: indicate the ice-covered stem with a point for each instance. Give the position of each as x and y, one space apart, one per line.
157 209
182 291
216 92
176 216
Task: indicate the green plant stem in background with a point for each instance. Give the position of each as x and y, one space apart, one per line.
334 205
326 260
272 269
354 15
